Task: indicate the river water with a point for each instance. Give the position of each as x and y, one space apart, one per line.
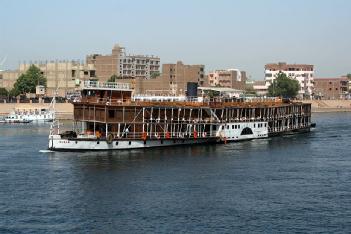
299 183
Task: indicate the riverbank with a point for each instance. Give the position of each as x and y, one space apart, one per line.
319 106
63 110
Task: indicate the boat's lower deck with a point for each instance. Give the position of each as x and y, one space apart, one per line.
229 132
58 144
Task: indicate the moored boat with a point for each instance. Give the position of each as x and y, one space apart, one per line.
108 117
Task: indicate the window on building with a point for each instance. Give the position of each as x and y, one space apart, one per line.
268 74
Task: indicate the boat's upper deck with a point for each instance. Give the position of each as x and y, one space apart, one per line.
111 86
120 94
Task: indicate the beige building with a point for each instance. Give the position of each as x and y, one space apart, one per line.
62 74
231 78
259 86
8 78
123 65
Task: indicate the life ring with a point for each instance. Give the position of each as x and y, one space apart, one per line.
204 134
222 136
195 134
168 135
109 138
157 135
144 136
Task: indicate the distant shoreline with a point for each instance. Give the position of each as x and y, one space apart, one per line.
329 110
325 106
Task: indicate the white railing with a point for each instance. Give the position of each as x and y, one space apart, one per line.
148 135
106 85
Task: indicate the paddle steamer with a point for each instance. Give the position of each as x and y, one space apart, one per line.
109 117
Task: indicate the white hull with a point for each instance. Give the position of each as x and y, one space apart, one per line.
242 131
224 133
56 143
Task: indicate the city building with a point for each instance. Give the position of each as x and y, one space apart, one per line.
124 65
303 73
172 81
8 78
178 75
331 88
259 86
231 78
63 76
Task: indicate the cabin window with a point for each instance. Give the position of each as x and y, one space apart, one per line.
232 126
111 113
254 125
265 124
227 126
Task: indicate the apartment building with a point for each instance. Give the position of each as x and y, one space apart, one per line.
303 73
124 65
230 78
177 75
331 88
61 75
172 81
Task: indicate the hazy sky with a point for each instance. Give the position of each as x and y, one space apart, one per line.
221 34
